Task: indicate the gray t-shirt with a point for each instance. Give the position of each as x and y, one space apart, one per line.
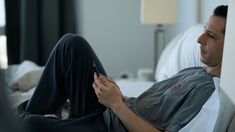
169 104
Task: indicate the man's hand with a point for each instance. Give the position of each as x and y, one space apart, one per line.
107 91
110 95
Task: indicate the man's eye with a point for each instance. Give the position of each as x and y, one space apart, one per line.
211 36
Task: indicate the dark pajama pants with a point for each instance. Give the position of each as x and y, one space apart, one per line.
68 74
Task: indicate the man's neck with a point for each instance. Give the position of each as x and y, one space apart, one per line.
215 71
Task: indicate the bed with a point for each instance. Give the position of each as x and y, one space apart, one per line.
180 53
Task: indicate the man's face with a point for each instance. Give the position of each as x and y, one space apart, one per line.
212 41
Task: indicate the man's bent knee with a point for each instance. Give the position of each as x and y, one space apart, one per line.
75 42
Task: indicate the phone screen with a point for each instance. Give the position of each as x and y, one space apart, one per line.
96 69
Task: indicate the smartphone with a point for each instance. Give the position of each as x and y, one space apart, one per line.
96 69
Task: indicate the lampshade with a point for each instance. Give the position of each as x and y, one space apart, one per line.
159 11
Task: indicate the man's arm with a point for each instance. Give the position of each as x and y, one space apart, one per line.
110 95
132 122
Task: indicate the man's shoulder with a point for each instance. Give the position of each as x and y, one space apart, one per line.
191 69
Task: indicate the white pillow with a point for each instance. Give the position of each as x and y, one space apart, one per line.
27 81
23 76
185 54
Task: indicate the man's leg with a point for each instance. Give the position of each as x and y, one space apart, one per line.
90 123
68 74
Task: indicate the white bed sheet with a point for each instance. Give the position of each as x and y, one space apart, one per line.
133 88
129 88
18 97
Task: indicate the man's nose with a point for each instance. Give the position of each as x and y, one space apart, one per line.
201 39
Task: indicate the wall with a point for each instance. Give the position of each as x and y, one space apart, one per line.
188 16
228 71
122 43
114 30
206 8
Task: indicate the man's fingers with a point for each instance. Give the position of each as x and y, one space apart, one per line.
96 89
98 85
94 85
97 80
95 75
107 78
100 80
103 83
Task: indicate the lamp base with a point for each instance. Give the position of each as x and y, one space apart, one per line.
159 44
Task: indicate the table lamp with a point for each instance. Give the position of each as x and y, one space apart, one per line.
159 12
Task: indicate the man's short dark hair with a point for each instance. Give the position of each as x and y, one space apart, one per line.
221 11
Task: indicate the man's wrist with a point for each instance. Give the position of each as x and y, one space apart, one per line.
117 107
124 98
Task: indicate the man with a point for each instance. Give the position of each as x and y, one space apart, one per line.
97 103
